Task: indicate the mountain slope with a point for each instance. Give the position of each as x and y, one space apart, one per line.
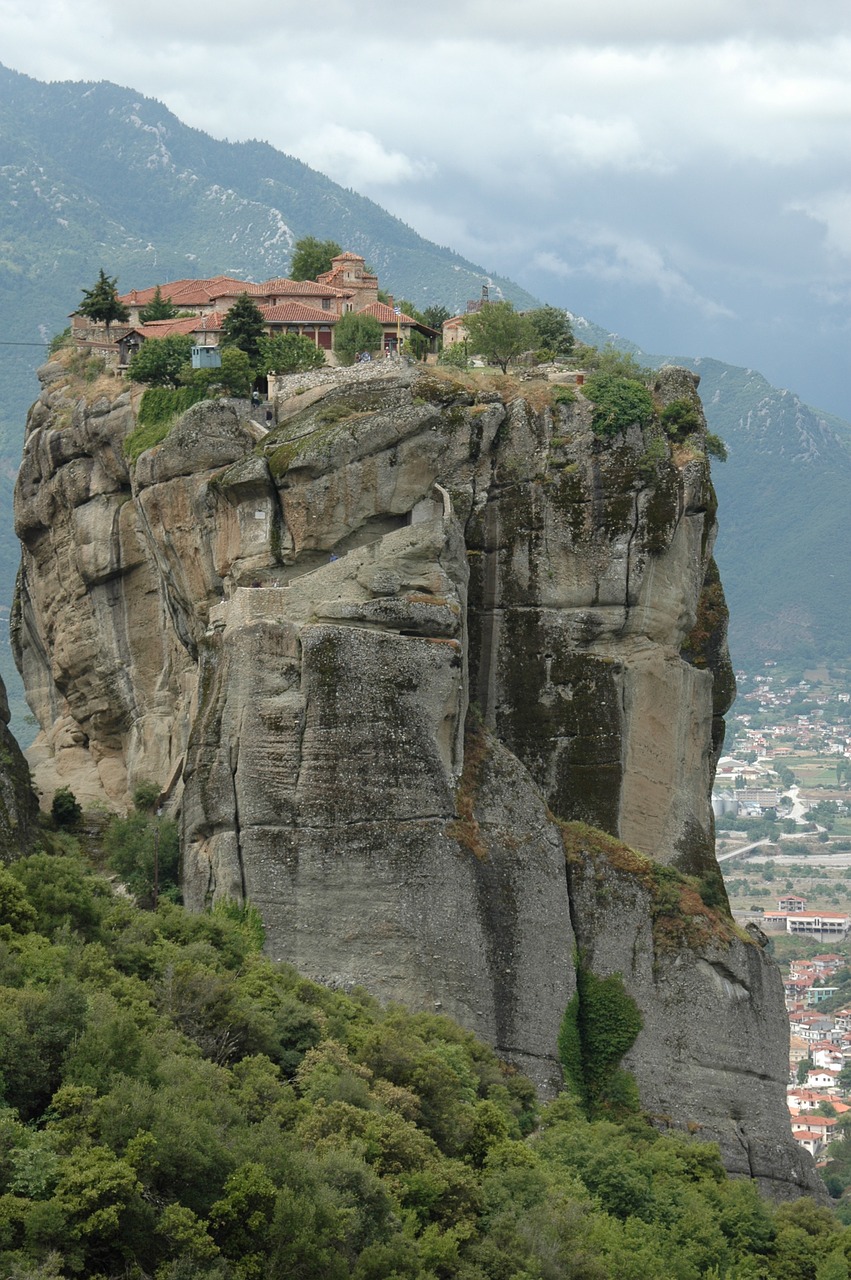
96 175
93 174
783 497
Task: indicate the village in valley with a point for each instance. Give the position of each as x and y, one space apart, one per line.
783 829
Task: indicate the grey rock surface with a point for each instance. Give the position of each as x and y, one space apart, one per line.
706 996
376 660
18 802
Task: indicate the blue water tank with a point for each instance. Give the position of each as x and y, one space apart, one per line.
206 358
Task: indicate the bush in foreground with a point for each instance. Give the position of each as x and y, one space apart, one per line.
175 1105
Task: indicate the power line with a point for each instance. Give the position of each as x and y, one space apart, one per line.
23 344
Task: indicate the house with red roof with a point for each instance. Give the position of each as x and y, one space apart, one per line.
813 1132
302 319
308 308
397 326
349 272
197 297
204 331
812 1141
823 1078
792 902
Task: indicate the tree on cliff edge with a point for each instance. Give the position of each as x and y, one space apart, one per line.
160 361
244 327
552 326
102 302
499 333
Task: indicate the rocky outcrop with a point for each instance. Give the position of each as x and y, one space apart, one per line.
381 661
704 992
18 803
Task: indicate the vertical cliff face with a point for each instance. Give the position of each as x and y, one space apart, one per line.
589 566
383 661
18 803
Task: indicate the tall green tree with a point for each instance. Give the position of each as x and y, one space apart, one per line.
101 302
408 309
244 327
416 345
552 325
65 809
311 257
289 353
499 333
355 333
232 378
435 315
159 361
159 308
143 849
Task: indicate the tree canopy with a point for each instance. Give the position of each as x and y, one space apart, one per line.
610 359
289 353
553 329
161 361
435 315
355 333
408 309
143 849
244 327
101 302
232 378
455 355
311 257
618 403
159 308
499 333
174 1104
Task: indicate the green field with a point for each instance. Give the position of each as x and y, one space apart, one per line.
812 770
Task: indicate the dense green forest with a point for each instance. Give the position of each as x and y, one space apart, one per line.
175 1105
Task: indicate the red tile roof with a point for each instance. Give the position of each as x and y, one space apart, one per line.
278 287
298 313
233 288
385 314
189 324
191 293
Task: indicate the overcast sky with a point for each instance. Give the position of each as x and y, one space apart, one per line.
676 171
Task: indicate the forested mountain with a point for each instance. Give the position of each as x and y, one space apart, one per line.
94 175
783 509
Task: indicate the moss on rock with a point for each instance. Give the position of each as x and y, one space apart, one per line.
680 914
600 1025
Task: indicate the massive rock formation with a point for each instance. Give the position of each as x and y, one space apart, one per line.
396 664
18 803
